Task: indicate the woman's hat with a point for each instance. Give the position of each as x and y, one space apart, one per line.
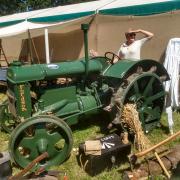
130 34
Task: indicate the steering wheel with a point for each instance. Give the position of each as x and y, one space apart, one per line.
110 56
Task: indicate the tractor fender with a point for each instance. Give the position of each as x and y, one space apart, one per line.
124 68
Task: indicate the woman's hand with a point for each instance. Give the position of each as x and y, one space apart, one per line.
146 33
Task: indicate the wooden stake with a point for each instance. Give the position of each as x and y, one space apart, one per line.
29 167
140 154
162 165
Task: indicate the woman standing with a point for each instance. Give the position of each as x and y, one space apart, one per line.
131 49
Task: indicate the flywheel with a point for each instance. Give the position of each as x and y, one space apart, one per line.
146 90
37 135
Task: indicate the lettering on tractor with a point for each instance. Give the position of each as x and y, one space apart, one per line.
23 103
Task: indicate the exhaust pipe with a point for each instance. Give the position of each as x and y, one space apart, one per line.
85 28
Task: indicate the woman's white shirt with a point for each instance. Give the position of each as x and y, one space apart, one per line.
133 51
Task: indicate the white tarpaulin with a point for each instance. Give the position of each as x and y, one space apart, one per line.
132 3
110 7
65 37
19 17
172 65
17 46
68 12
36 29
20 28
55 14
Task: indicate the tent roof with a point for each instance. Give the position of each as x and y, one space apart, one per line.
44 18
68 12
140 7
55 14
110 7
20 28
19 17
35 29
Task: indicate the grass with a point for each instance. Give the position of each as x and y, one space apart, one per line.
92 128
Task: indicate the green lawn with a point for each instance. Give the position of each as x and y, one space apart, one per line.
93 128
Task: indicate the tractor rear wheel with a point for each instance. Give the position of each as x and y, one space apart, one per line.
146 90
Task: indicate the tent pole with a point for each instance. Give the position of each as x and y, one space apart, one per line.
47 45
30 47
34 47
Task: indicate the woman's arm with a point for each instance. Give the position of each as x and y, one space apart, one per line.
146 33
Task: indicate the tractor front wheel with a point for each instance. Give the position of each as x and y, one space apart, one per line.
40 134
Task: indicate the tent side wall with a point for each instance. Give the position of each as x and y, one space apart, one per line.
110 32
106 34
65 43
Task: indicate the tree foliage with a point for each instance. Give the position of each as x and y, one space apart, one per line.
8 6
15 6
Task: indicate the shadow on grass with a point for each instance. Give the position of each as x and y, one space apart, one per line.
3 88
164 128
101 120
176 173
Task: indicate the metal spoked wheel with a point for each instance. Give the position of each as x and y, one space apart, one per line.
7 121
41 134
147 92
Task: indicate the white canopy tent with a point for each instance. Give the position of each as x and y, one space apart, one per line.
19 17
55 14
25 29
139 7
34 23
22 28
27 25
111 7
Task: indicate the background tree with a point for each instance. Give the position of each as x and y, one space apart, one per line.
15 6
8 7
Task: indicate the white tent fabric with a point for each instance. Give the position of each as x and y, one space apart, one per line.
74 8
68 18
55 11
126 3
21 28
172 65
62 14
68 12
35 29
21 16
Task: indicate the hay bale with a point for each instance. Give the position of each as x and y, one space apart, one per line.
130 118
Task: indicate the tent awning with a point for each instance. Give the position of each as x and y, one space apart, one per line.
140 7
19 17
20 28
108 7
69 12
36 29
21 22
55 14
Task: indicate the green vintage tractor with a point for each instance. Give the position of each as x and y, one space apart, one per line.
40 108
